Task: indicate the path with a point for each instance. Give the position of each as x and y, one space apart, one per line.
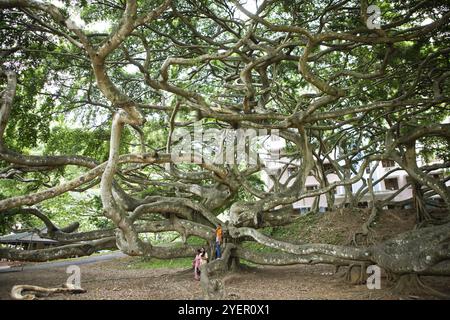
68 262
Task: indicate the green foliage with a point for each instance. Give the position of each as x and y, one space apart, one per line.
29 121
83 208
67 141
258 247
196 241
305 224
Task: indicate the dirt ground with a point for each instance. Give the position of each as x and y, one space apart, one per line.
114 280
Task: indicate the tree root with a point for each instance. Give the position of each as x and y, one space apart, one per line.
214 289
367 235
17 291
412 285
356 273
363 238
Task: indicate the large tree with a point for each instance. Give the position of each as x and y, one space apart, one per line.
98 104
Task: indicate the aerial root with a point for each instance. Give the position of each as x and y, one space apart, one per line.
366 237
18 290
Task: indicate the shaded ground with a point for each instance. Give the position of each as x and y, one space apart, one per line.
119 279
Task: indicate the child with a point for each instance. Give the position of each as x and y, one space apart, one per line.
196 263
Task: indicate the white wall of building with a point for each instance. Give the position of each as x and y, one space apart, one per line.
384 189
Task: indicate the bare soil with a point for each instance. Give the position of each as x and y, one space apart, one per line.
338 227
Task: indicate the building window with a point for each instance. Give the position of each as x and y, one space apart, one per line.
388 163
391 184
363 204
312 187
305 210
291 171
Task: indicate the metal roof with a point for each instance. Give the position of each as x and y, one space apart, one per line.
26 237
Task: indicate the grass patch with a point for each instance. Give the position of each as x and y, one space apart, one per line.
248 263
298 231
255 246
309 228
196 241
154 263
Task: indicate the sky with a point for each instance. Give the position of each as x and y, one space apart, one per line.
103 26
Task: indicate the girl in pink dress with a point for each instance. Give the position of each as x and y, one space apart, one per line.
196 263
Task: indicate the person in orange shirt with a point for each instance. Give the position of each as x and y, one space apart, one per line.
219 236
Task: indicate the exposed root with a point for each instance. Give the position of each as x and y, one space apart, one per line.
185 271
367 235
391 277
17 291
363 238
356 273
412 285
214 289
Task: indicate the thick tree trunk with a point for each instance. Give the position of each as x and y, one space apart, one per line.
211 273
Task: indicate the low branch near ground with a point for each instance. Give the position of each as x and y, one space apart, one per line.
284 258
420 251
17 292
343 252
62 252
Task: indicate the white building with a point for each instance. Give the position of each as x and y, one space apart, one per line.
283 168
